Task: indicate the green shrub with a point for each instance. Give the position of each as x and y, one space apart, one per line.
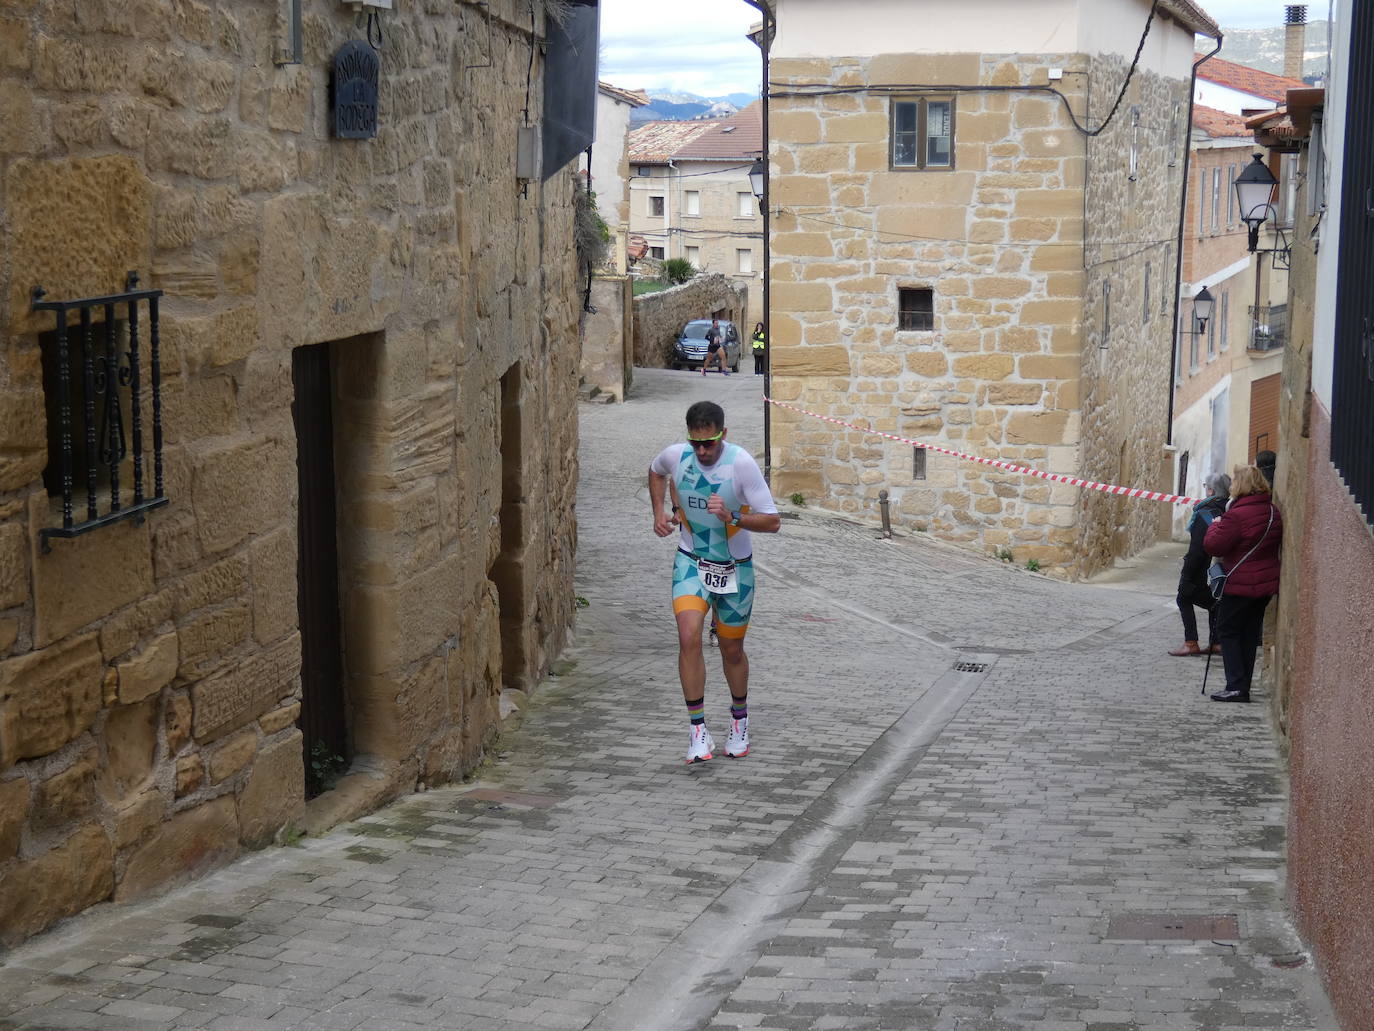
677 270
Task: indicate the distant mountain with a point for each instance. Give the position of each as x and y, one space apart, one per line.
1263 48
686 107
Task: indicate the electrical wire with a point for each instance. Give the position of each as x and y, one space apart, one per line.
690 175
821 89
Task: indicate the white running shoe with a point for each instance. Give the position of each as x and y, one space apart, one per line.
701 747
737 744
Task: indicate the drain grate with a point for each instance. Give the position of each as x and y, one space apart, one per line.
971 667
1173 927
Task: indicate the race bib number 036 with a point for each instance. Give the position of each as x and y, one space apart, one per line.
718 577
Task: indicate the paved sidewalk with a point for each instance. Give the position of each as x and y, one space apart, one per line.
908 845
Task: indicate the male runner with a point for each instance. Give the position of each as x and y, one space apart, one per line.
719 497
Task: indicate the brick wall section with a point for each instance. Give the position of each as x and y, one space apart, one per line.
660 316
149 675
1000 239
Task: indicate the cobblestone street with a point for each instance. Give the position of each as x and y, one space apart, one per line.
907 846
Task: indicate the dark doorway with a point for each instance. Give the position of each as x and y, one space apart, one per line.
508 572
323 720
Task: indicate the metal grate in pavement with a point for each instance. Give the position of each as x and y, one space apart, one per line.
1173 927
971 667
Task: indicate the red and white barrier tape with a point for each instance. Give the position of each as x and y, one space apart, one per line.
1073 481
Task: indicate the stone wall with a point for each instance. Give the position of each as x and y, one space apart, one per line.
607 340
659 317
150 674
999 239
1131 223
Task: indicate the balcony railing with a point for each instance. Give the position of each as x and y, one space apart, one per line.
1269 327
100 364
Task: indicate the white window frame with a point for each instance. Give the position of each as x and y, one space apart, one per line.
744 261
745 204
691 202
692 254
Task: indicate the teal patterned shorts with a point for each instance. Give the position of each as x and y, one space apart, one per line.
732 610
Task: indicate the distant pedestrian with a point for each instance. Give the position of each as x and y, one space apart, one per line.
1192 581
760 342
1247 540
719 497
1265 461
715 348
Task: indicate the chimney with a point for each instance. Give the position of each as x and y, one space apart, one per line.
1295 33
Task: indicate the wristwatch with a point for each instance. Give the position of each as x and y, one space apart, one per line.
734 518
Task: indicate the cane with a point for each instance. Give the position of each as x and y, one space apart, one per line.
1211 636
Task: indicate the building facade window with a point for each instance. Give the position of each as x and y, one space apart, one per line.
745 204
1173 134
1216 199
1201 201
656 252
744 261
691 202
1225 308
922 133
915 308
693 254
656 207
1231 196
1194 341
1211 339
1135 144
1288 189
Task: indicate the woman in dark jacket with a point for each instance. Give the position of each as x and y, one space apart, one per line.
1247 540
1192 581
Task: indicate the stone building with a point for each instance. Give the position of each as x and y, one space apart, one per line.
969 245
1323 648
690 196
1226 375
610 166
295 509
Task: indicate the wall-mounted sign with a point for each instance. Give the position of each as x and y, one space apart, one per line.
357 72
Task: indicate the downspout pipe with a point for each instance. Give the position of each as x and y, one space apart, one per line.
765 43
1182 228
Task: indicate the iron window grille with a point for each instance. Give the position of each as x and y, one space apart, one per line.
99 360
915 308
1269 327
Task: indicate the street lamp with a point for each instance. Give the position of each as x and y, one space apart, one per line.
1203 303
1254 188
757 173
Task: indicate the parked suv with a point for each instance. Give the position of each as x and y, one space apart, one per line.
690 350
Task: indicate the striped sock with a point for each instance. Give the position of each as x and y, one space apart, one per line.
739 708
696 711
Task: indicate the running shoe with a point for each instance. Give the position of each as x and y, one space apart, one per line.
701 747
737 744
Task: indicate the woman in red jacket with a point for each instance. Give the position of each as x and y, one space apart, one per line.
1246 539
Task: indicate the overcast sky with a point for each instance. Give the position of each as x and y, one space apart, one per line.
698 46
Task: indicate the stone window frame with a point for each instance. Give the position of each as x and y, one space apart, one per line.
908 291
921 106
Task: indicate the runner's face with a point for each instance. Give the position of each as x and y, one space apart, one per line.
707 443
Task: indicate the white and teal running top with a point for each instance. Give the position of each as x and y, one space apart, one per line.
736 477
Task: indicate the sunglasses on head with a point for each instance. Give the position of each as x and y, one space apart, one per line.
705 441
